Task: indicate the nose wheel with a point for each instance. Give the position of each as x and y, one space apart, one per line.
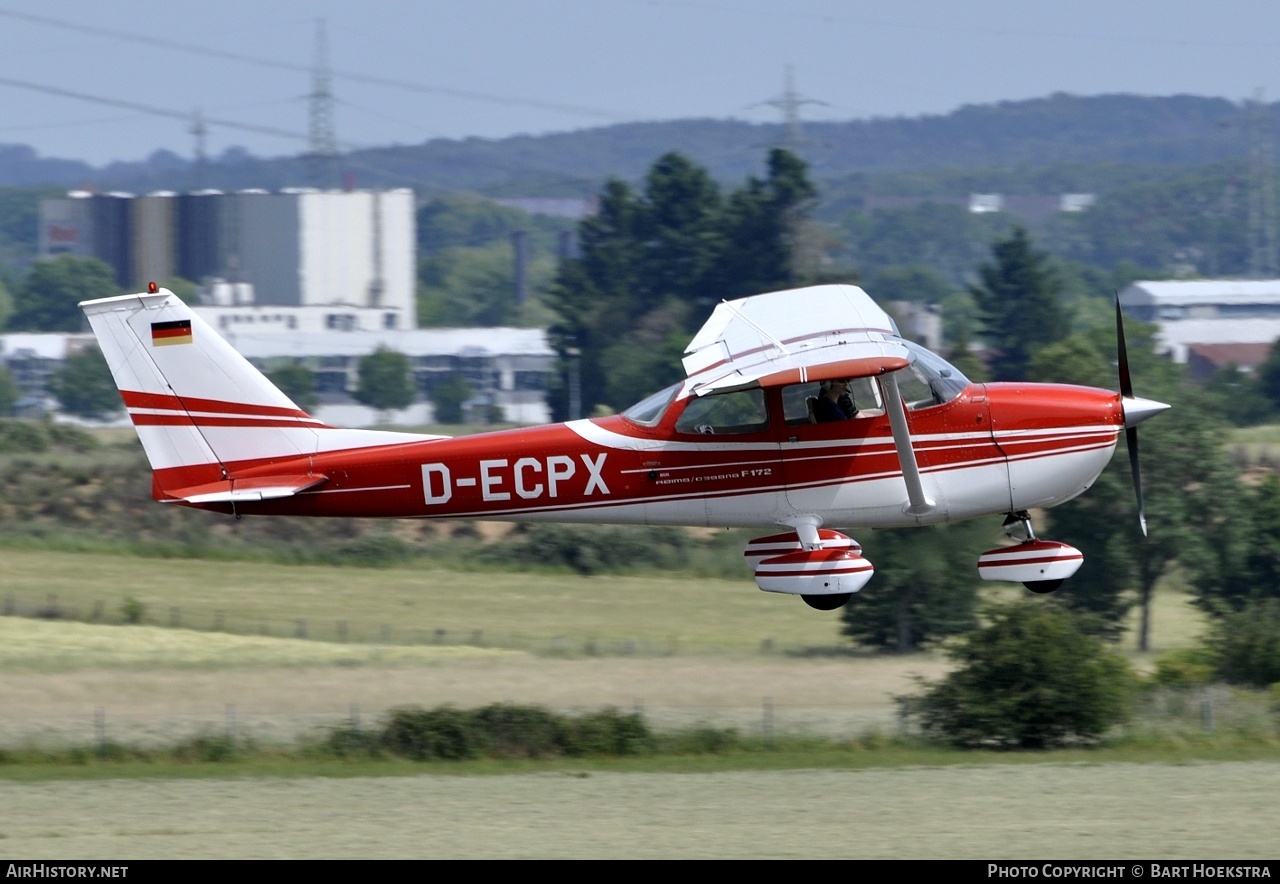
1039 565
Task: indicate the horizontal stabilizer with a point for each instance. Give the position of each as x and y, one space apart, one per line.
254 488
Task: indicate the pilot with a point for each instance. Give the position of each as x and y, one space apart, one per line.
834 402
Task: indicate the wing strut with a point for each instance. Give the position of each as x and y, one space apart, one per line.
918 504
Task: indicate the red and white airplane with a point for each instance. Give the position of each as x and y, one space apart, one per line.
738 443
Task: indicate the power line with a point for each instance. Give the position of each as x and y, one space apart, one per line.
151 109
277 64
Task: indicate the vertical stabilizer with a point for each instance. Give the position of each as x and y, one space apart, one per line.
200 408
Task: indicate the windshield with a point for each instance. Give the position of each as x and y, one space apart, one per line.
649 410
929 380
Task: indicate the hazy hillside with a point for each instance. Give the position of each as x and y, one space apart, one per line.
1057 131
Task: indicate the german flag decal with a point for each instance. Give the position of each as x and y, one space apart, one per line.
165 333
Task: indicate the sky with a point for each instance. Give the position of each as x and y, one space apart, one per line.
95 81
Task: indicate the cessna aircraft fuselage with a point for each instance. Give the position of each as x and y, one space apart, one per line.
995 448
801 409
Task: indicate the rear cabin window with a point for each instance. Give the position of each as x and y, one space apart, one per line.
725 414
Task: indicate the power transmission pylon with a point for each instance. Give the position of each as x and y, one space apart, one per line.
1262 191
323 156
790 102
201 133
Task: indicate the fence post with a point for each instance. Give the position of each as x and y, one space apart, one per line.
1206 711
100 730
768 722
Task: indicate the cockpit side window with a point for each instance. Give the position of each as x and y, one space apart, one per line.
649 410
929 380
725 414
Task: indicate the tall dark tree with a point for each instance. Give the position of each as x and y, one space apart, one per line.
654 264
763 223
1243 567
48 298
1019 299
925 586
9 392
1268 374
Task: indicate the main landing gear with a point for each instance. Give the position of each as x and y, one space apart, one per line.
827 602
1039 565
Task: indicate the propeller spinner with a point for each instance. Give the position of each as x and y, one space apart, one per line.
1136 410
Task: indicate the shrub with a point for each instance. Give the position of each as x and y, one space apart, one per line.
500 730
507 731
1185 668
68 436
1247 644
608 732
427 734
132 611
591 549
21 437
1031 679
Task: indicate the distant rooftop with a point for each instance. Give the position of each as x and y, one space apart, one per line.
1180 292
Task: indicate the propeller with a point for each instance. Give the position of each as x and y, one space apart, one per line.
1136 411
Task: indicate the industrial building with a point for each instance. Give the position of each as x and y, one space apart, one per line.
338 260
1209 322
507 369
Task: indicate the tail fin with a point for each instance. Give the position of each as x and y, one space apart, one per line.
204 414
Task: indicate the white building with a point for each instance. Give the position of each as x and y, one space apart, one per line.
331 259
1207 312
506 368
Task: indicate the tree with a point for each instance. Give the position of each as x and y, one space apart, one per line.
9 392
84 387
1018 298
6 305
1268 374
448 397
909 282
763 223
297 382
925 587
1246 644
1191 492
1243 566
654 264
476 286
1031 679
48 298
385 380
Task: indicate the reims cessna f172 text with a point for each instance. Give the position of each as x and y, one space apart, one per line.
746 440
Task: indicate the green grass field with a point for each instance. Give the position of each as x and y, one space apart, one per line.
685 651
1041 811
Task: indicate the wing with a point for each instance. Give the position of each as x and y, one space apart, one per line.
809 334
